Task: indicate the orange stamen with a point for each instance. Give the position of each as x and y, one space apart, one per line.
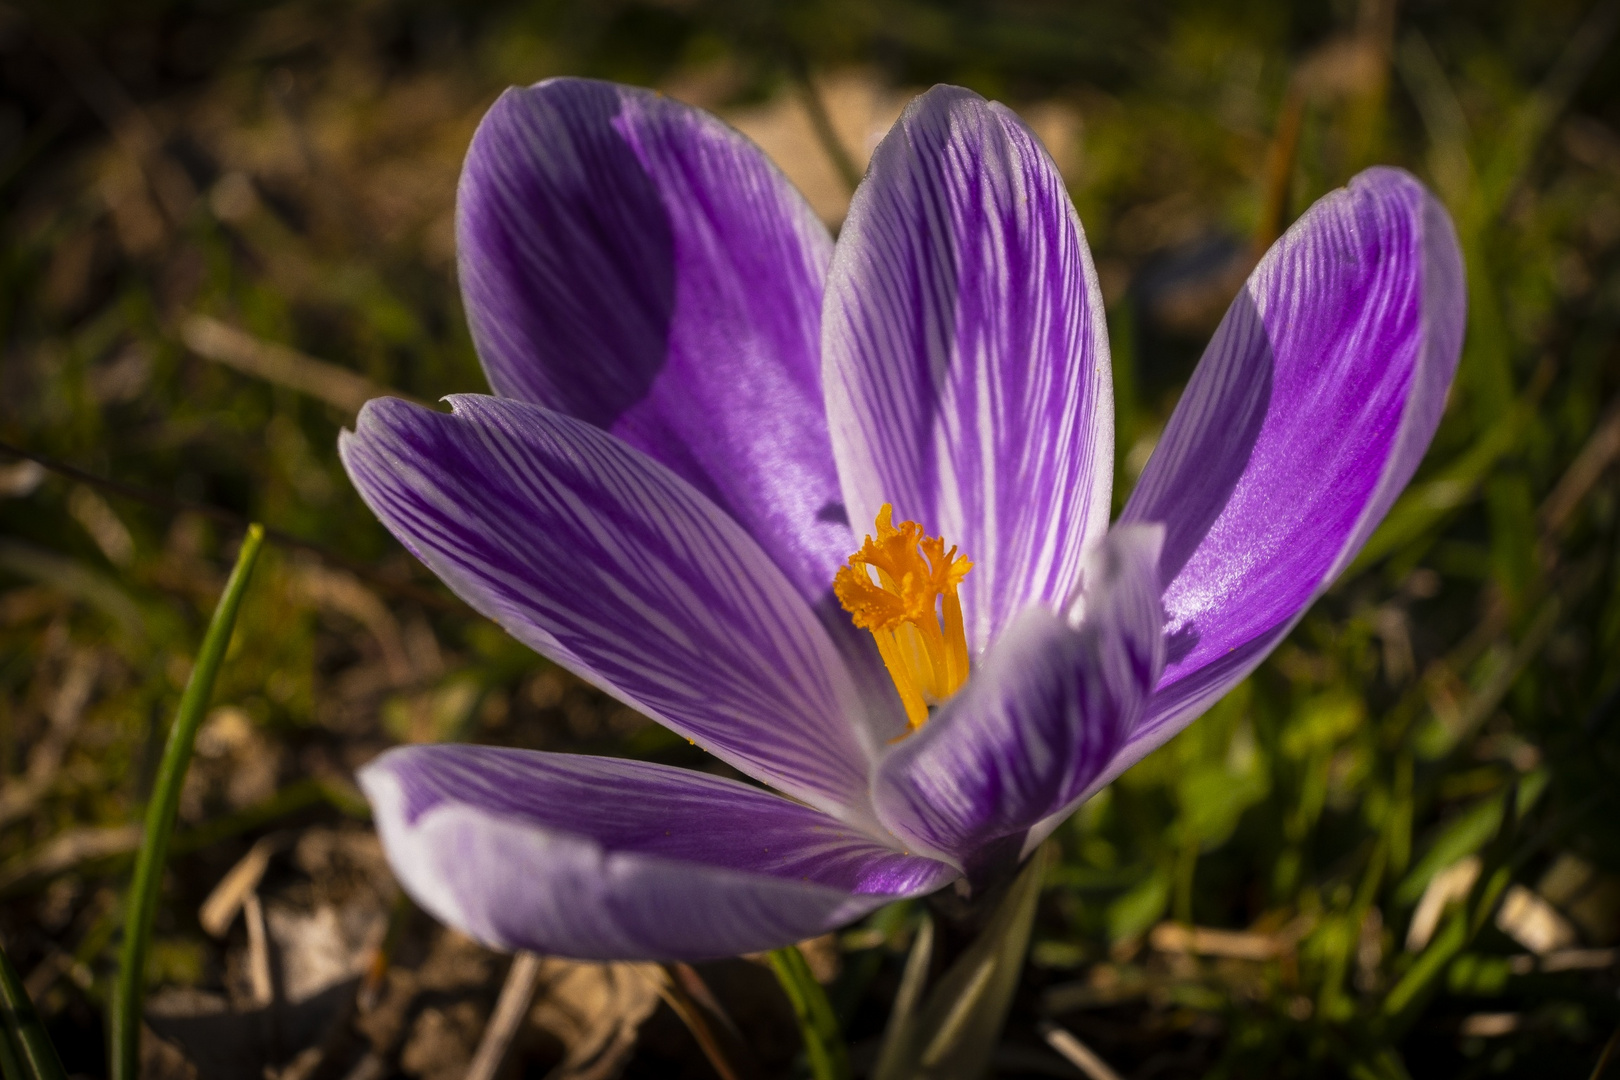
901 586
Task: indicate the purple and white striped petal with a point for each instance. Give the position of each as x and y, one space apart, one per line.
965 354
1306 417
603 560
1051 704
605 859
638 264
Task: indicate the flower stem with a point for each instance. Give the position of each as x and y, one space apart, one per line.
823 1044
141 905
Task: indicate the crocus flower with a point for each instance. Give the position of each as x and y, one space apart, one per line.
703 405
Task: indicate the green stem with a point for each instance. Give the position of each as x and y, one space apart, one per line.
823 1045
25 1048
141 907
1451 939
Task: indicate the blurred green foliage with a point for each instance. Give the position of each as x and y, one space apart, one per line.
1247 901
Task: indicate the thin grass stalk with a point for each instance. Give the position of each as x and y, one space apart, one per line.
26 1050
696 1018
10 1066
823 1044
141 905
1607 1056
897 1035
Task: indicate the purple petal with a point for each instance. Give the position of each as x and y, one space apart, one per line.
1041 717
636 263
1307 416
966 357
603 560
604 859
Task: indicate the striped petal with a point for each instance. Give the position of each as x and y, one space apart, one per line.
1306 417
606 562
636 263
1050 706
604 859
965 354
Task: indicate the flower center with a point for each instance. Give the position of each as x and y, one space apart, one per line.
901 585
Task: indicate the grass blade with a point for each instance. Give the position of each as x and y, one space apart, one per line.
141 905
823 1045
26 1048
897 1036
957 1030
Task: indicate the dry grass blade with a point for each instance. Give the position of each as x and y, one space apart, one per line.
278 364
595 1011
692 982
219 910
516 994
1073 1050
342 592
1580 960
21 796
68 850
1607 1056
915 975
261 973
697 1022
1173 937
76 580
1279 170
1597 455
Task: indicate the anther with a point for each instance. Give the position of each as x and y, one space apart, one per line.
901 586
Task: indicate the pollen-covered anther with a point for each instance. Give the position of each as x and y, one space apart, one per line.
901 586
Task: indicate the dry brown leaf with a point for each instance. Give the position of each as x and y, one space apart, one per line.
594 1010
